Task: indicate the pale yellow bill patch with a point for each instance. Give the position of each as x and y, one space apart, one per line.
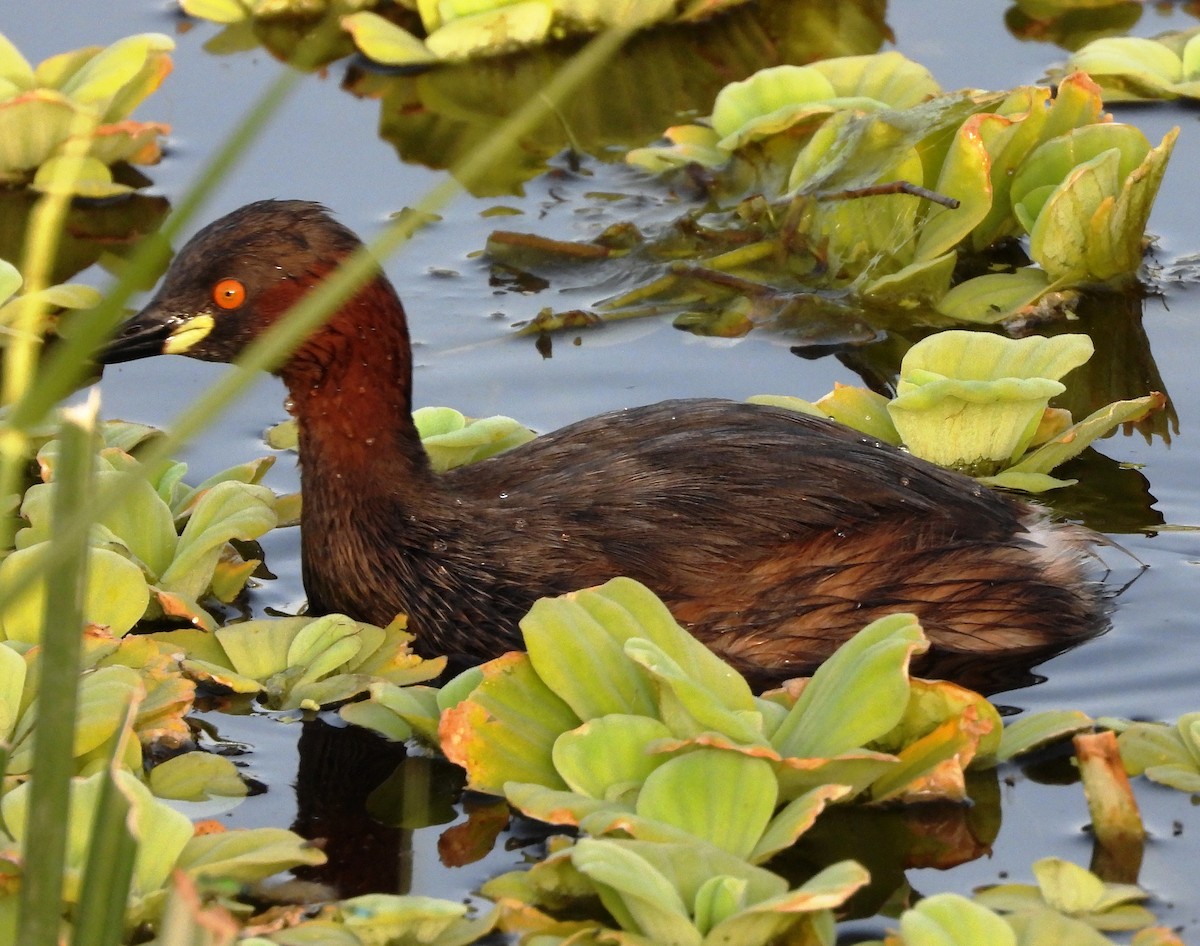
188 334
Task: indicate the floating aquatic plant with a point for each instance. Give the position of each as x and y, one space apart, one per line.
386 918
692 894
857 175
1070 890
87 94
450 438
1164 753
531 727
45 302
1133 69
170 843
459 29
453 30
979 403
158 549
301 662
949 918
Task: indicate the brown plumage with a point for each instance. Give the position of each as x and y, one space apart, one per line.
773 536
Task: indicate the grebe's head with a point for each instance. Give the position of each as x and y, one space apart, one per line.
233 279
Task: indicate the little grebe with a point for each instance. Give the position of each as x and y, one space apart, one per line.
773 536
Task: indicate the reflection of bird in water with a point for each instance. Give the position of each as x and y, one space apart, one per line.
772 536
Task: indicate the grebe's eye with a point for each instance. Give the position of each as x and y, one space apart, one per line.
229 293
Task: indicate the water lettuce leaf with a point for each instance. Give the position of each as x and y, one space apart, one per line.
301 662
1133 69
90 91
1074 892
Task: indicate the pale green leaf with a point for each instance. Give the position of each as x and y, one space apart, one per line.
196 776
725 798
116 594
946 919
12 686
608 751
857 695
247 855
989 298
89 177
10 276
1076 438
492 32
505 730
229 510
218 11
384 42
796 817
638 895
14 68
1032 731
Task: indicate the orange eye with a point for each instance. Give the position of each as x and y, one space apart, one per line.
229 293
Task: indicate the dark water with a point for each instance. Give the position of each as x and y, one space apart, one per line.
324 145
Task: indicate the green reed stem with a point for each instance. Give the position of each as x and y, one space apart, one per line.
62 636
112 851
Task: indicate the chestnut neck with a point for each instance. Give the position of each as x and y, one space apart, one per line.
350 386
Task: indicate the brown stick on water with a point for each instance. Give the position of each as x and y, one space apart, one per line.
1116 821
892 187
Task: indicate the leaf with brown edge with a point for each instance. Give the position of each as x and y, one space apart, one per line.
505 730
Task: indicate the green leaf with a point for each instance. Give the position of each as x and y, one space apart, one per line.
888 77
89 177
394 920
1078 437
767 102
150 819
946 919
609 752
395 712
1046 926
258 649
973 401
571 631
506 729
966 177
247 855
695 792
1035 730
219 11
229 510
796 817
993 297
857 695
591 628
10 276
105 75
453 440
768 919
116 595
493 31
15 69
384 42
196 776
636 893
31 130
12 686
558 807
1169 755
1129 67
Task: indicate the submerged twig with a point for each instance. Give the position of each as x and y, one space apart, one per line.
892 187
